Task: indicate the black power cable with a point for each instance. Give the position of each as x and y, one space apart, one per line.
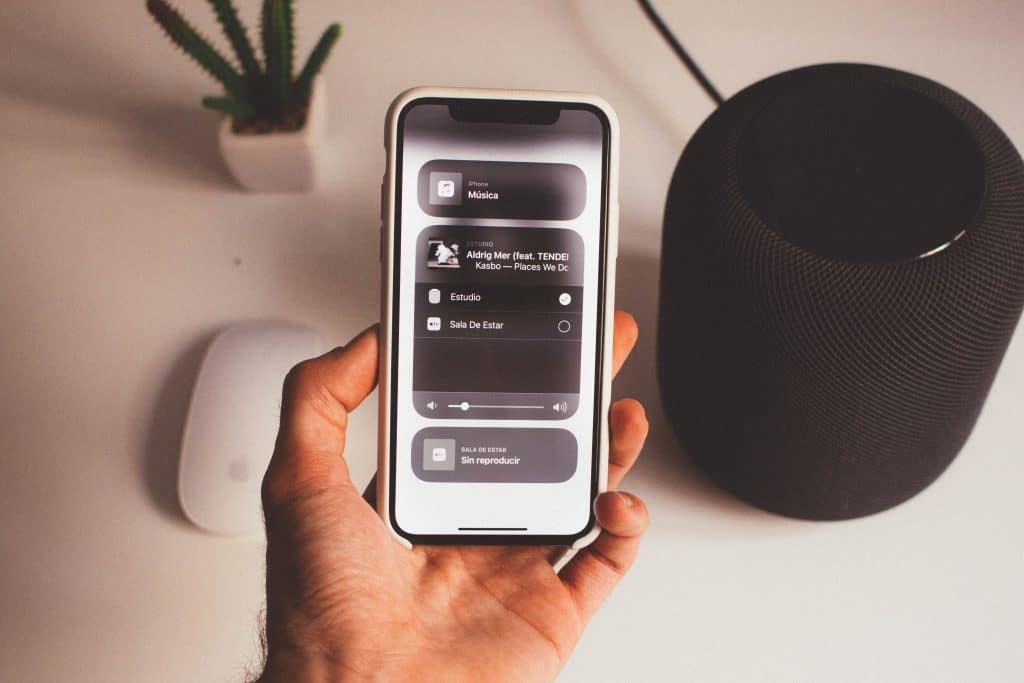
681 52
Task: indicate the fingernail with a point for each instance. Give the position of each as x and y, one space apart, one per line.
360 335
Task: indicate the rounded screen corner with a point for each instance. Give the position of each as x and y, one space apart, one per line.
587 535
403 536
602 110
407 99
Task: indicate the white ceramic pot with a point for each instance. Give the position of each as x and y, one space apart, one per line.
279 162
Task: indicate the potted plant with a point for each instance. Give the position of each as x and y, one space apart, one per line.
275 120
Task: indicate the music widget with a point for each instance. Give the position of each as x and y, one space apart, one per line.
499 321
498 308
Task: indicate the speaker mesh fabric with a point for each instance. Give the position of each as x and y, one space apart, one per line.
815 386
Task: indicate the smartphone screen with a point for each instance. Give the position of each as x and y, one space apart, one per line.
497 319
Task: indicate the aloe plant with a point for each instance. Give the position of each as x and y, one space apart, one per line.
259 96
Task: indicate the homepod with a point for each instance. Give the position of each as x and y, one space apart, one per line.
842 271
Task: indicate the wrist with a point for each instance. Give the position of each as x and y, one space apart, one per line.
291 665
284 666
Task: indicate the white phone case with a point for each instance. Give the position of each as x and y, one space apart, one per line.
388 265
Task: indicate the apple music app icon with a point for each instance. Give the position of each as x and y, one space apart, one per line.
445 188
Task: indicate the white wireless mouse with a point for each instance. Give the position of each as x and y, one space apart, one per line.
232 422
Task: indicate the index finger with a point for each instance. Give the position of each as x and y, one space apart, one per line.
623 339
317 398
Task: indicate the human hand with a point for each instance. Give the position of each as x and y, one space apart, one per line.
347 601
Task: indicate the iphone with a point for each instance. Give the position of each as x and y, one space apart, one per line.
498 246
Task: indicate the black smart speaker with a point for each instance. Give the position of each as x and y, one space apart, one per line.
842 270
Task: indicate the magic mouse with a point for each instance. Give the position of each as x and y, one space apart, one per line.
232 422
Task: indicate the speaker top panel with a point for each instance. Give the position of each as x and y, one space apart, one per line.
858 169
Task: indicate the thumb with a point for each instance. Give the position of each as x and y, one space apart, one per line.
595 570
317 398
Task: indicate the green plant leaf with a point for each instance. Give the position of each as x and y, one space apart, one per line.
276 53
289 38
197 47
227 15
230 106
321 51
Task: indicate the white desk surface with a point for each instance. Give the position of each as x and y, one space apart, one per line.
124 245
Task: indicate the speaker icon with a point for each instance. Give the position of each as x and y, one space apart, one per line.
432 405
561 407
